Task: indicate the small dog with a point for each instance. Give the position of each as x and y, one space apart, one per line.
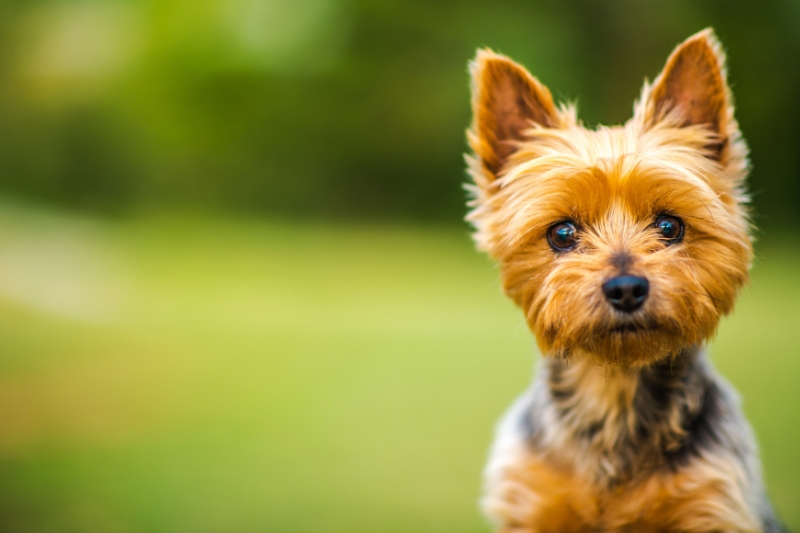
623 246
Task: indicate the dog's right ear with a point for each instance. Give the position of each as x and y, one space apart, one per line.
506 101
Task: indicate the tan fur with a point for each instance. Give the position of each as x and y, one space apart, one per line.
596 458
536 496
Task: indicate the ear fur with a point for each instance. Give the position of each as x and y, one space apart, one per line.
506 101
693 86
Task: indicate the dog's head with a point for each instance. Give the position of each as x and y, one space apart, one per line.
627 243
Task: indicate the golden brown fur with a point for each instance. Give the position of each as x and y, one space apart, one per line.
624 427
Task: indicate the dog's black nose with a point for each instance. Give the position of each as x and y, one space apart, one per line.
626 293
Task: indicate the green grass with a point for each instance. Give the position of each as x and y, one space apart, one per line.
188 374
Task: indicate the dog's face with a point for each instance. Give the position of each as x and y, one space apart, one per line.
625 244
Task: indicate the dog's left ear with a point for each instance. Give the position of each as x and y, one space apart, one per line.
693 86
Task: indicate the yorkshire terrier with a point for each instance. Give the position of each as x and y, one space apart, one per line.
623 246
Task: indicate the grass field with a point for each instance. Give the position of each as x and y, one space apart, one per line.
190 374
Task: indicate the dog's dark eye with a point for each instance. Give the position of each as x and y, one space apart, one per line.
670 228
562 236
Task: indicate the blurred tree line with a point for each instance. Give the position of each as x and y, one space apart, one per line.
349 108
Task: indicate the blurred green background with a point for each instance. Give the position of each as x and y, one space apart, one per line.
236 294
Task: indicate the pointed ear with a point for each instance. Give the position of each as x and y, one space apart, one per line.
506 101
693 85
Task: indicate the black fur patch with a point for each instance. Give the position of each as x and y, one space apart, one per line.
560 391
701 429
591 431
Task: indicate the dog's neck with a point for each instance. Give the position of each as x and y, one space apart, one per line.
622 422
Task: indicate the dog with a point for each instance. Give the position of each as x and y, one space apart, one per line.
623 246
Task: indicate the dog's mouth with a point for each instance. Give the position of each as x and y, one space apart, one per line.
632 329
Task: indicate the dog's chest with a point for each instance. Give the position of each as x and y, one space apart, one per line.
535 496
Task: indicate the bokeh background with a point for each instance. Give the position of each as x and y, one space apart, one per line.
236 291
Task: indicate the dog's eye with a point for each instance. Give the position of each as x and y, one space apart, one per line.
670 228
562 236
